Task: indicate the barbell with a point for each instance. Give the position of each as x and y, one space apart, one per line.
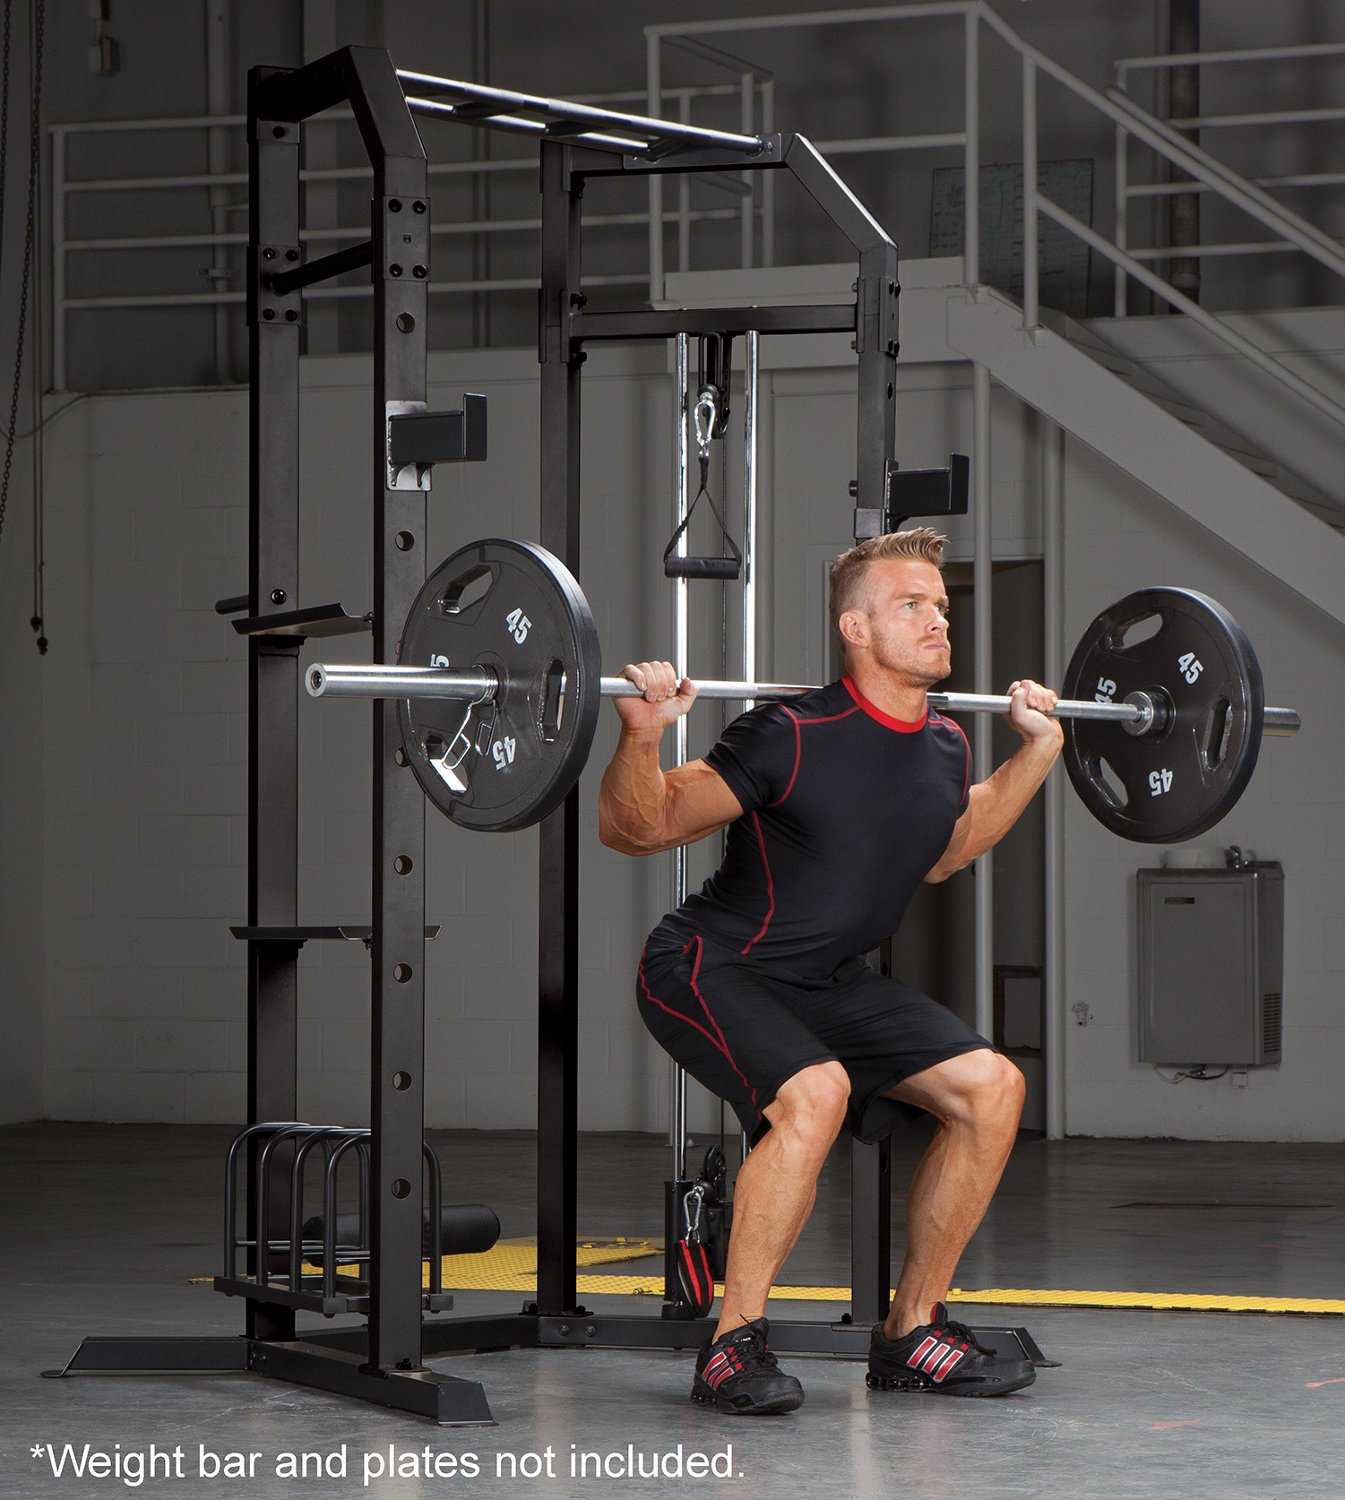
499 685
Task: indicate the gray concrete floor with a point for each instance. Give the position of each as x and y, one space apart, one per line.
105 1226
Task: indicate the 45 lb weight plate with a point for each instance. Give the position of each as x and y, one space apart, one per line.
1193 661
507 760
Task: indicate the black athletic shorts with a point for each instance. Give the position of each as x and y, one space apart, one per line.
741 1029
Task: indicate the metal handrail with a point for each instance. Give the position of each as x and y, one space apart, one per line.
1211 175
754 85
64 189
1207 320
1162 138
1234 55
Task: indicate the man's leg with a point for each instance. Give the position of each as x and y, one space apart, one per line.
977 1098
776 1186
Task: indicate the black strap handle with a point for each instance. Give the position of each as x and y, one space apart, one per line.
725 568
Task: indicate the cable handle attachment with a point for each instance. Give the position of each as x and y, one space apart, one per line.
705 417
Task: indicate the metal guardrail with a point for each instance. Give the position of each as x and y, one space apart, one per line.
752 86
1129 192
67 247
1164 139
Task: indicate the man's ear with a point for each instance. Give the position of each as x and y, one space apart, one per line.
854 627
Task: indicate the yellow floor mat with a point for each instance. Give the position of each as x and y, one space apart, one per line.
511 1266
652 1286
456 1278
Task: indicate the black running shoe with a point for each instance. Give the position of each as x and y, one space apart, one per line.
943 1356
738 1373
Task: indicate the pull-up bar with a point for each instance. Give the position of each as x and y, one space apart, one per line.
560 119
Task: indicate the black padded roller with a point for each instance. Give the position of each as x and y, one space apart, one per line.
467 1229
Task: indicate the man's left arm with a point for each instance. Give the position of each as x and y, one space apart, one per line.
995 805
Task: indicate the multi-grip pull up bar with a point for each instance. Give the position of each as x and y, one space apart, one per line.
559 119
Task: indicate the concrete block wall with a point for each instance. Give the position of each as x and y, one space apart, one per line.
145 687
23 780
144 829
1119 536
124 991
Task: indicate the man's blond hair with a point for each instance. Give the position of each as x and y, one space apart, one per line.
849 571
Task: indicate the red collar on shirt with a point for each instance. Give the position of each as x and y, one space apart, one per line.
902 726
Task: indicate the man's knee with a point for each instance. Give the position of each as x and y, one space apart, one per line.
813 1103
982 1089
995 1089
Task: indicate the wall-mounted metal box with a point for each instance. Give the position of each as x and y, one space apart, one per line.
1211 965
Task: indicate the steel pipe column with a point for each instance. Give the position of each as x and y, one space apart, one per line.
558 918
273 662
400 235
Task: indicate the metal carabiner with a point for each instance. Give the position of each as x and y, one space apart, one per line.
691 1208
704 417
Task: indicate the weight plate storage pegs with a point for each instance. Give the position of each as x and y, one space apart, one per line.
1198 669
513 613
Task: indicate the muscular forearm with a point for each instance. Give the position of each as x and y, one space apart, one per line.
996 804
633 797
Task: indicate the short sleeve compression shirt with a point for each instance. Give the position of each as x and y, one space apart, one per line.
845 811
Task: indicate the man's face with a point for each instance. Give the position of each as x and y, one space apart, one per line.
905 624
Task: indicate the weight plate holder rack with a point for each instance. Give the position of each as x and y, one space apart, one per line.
383 1363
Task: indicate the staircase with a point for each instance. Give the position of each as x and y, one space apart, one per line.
1065 371
1266 478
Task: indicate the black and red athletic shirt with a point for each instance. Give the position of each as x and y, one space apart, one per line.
845 811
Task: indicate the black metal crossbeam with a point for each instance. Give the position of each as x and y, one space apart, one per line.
328 266
666 323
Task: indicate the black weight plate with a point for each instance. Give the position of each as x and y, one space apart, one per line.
515 609
1181 778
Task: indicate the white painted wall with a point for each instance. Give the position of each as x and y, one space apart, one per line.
23 781
135 814
145 828
121 767
1119 536
21 674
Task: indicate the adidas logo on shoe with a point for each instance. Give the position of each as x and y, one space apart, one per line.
737 1373
943 1357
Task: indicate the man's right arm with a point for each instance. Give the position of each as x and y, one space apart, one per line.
644 810
641 808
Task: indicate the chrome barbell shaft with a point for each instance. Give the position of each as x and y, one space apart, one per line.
970 703
374 681
333 681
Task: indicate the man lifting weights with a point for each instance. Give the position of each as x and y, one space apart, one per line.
838 804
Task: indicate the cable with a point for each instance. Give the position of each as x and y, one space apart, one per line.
33 256
1198 1073
38 18
5 55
